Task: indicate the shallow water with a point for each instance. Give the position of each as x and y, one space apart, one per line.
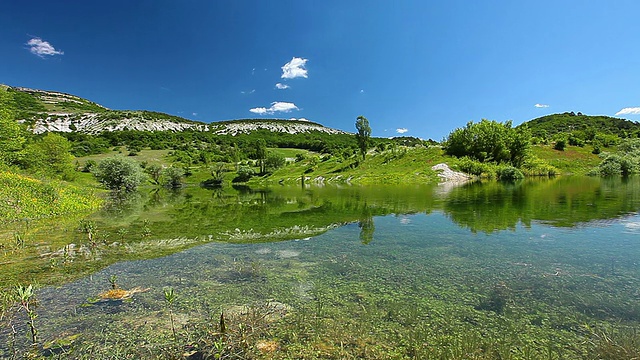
411 267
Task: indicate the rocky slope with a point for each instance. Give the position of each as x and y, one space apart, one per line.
45 111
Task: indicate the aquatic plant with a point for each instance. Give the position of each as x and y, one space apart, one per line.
170 298
113 281
27 302
87 227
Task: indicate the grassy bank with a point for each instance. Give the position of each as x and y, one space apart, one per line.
24 197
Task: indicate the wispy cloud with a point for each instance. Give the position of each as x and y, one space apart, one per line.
401 130
361 91
277 106
281 86
294 68
541 105
41 48
629 111
248 92
194 113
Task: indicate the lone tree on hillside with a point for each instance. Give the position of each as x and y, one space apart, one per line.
364 134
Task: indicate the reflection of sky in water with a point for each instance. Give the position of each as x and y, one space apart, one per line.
632 225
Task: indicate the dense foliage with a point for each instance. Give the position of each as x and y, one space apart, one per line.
119 174
570 129
363 135
489 141
626 161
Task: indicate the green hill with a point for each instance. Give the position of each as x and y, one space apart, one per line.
568 122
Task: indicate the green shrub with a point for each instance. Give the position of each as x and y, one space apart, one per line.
274 162
625 162
470 166
509 173
88 166
119 174
172 177
244 174
560 144
534 166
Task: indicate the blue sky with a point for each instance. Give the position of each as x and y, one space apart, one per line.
418 68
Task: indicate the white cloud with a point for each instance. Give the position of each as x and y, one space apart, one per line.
401 130
541 105
294 68
41 48
300 119
281 86
629 111
361 91
277 106
248 92
194 114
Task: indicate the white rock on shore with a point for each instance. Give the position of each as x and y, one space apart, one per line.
448 175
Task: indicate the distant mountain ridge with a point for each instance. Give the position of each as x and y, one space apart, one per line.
45 111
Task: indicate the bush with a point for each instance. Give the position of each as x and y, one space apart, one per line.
470 166
172 177
119 174
155 171
244 174
273 162
534 166
560 144
625 162
509 173
89 166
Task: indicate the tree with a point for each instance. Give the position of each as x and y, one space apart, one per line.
51 156
119 174
274 162
261 153
155 172
364 134
489 141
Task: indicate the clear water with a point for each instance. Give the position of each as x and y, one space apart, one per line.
532 265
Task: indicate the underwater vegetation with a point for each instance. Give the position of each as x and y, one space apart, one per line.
394 274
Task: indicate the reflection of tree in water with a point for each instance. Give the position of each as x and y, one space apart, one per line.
562 202
366 225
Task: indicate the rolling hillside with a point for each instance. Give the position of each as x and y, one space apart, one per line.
44 111
569 122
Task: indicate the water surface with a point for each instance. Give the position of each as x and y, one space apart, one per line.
421 271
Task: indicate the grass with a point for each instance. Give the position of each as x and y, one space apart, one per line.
28 198
573 160
404 165
146 155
